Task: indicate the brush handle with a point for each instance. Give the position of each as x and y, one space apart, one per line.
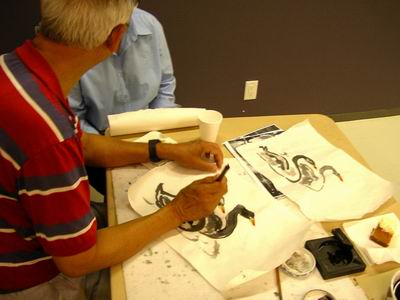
222 174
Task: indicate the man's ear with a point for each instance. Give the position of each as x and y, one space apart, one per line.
114 39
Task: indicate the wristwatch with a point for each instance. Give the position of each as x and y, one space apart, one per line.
152 150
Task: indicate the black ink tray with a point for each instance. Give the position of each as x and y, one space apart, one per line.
335 255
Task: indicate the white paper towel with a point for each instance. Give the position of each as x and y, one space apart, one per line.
153 119
359 232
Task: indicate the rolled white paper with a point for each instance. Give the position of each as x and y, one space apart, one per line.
153 119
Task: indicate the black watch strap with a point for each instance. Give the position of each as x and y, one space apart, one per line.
152 150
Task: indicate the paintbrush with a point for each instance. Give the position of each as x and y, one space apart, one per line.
278 283
222 174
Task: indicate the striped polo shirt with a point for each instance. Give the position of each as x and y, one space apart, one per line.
44 191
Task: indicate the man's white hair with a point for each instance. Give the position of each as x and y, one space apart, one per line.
83 23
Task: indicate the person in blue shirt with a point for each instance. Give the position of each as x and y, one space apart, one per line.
139 76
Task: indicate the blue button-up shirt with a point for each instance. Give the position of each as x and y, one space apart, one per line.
139 76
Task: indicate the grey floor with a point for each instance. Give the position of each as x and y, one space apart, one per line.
377 140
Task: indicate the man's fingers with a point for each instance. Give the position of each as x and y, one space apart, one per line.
208 179
213 150
199 198
214 187
219 158
206 166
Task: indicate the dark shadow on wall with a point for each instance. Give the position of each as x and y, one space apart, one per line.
17 21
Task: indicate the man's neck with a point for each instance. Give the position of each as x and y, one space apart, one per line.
68 63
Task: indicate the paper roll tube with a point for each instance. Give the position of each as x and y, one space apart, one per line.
153 119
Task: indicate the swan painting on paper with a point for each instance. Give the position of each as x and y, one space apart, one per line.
298 169
261 134
320 177
234 215
214 226
229 236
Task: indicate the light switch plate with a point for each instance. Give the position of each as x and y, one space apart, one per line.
250 90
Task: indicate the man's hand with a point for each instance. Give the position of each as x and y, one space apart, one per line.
198 199
195 155
106 152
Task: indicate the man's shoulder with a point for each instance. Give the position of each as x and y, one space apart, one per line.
16 113
145 18
29 118
26 137
140 13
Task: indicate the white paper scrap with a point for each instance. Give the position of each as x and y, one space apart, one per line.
359 232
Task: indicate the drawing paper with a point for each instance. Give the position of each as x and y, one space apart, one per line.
249 251
252 137
327 183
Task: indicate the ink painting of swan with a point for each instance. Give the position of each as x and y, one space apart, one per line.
240 236
317 175
213 226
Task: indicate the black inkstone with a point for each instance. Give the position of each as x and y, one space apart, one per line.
335 255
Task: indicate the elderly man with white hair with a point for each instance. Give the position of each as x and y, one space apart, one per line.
48 232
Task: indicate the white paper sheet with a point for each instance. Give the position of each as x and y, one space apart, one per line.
251 137
153 119
323 180
359 232
249 251
341 288
156 272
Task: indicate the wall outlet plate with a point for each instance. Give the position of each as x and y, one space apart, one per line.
250 90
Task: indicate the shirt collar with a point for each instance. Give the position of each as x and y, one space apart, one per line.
38 65
137 27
